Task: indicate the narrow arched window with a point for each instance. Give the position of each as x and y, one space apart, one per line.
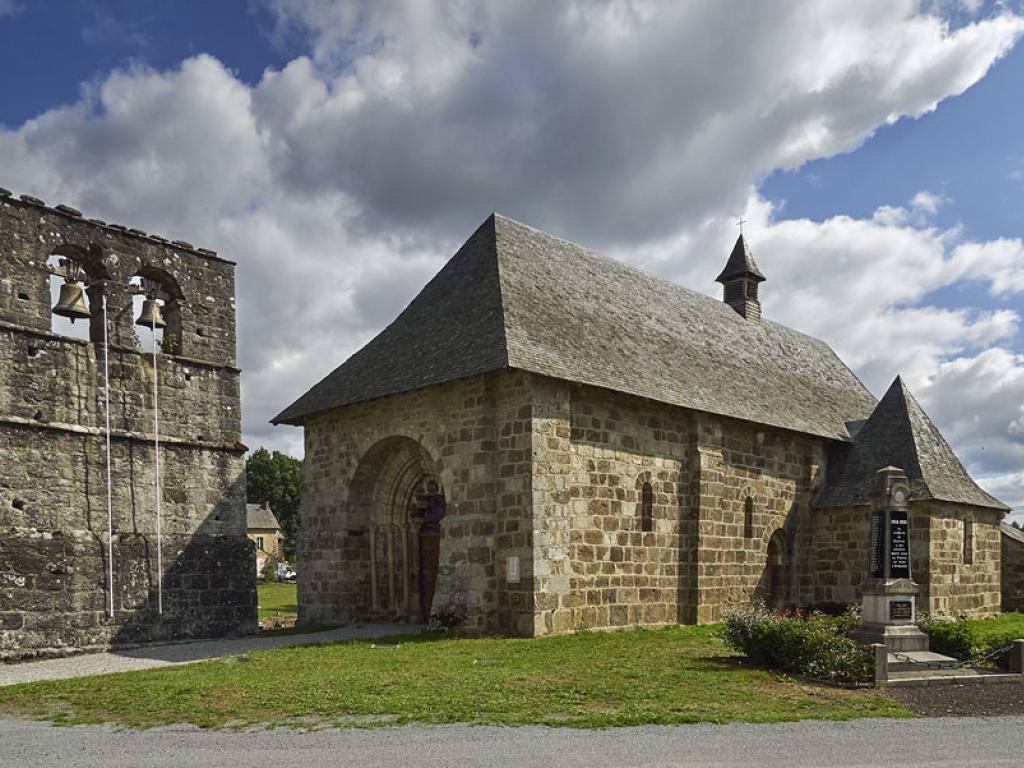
968 542
748 518
646 508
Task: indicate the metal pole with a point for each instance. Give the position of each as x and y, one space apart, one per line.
110 498
156 451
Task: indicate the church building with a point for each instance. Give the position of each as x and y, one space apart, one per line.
547 439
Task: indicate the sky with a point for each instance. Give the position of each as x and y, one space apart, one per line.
341 151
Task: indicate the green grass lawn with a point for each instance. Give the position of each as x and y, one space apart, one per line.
277 599
591 679
1007 624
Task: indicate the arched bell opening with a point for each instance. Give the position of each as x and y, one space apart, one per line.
76 293
156 309
776 592
396 505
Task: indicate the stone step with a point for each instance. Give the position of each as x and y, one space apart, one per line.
965 676
913 661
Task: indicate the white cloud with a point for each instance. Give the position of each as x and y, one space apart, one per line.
9 8
341 182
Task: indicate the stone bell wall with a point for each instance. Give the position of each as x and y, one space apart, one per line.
54 588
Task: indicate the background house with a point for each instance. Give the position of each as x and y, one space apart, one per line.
265 532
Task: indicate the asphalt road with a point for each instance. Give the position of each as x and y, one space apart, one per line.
960 742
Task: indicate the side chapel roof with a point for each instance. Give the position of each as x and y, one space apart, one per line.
899 433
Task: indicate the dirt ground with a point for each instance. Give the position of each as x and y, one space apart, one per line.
962 700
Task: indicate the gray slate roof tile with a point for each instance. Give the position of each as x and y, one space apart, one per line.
899 433
258 516
516 297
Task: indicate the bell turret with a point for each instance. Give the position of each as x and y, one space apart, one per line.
740 279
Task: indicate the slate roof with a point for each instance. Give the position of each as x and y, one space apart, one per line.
741 263
515 297
899 433
258 516
1014 533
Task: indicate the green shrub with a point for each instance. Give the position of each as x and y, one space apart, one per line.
810 644
950 638
962 640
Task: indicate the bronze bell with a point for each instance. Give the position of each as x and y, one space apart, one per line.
150 316
72 302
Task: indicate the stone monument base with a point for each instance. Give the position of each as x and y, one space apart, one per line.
889 616
895 638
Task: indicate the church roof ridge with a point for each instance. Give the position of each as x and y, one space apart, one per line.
516 297
899 433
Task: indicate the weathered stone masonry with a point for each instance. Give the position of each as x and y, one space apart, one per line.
53 523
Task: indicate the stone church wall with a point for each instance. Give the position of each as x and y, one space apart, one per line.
949 587
475 434
54 588
594 564
839 552
780 471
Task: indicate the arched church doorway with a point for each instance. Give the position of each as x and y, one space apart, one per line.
776 571
398 496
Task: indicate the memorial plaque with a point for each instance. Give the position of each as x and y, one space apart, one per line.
901 609
877 546
899 545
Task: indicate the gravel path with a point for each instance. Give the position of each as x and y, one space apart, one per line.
961 742
180 653
961 700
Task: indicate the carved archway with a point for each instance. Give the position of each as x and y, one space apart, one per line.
397 498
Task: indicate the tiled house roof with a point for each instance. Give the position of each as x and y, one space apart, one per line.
515 297
257 516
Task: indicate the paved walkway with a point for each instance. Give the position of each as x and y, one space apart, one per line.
961 742
181 653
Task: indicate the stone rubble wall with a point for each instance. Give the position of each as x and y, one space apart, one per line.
54 590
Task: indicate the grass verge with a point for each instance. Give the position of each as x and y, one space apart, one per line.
592 679
276 599
1009 624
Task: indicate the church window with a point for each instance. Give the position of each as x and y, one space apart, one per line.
968 542
647 508
748 518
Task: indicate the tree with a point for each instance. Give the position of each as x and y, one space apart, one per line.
276 478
